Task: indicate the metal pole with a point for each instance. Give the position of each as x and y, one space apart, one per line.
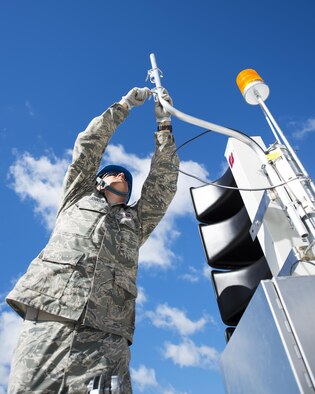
276 126
155 72
272 129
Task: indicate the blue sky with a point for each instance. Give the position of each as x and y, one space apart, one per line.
62 63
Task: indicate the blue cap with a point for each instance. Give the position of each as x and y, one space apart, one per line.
114 168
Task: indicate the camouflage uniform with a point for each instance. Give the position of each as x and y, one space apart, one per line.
57 358
87 271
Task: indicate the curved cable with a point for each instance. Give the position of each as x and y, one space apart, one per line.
240 188
225 186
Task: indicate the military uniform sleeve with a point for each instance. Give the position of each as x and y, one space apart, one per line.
87 153
160 186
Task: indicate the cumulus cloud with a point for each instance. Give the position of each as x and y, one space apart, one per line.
40 180
188 354
141 298
182 205
144 377
144 380
157 252
175 319
10 326
194 275
191 276
305 129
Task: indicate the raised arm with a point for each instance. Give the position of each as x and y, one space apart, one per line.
161 184
90 146
88 151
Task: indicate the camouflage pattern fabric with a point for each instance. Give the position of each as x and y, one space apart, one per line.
91 260
59 358
87 272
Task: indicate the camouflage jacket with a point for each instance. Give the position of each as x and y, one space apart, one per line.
88 269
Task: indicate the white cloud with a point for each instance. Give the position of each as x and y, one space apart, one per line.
10 326
156 252
305 129
188 354
194 275
144 377
182 205
144 380
191 276
175 319
40 180
141 298
171 390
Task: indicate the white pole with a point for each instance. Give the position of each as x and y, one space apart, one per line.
272 129
155 71
284 139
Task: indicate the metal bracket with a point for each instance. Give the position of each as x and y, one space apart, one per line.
257 222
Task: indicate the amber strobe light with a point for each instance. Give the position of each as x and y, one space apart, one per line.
252 86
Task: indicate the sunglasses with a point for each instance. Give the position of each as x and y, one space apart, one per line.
113 173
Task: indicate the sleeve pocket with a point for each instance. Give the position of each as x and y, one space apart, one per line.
61 257
121 307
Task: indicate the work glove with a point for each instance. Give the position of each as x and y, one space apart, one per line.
136 96
160 114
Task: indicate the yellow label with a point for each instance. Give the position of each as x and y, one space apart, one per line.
274 155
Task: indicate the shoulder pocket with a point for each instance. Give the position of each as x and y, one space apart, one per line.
92 204
81 218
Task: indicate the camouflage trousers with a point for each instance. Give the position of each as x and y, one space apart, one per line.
60 357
